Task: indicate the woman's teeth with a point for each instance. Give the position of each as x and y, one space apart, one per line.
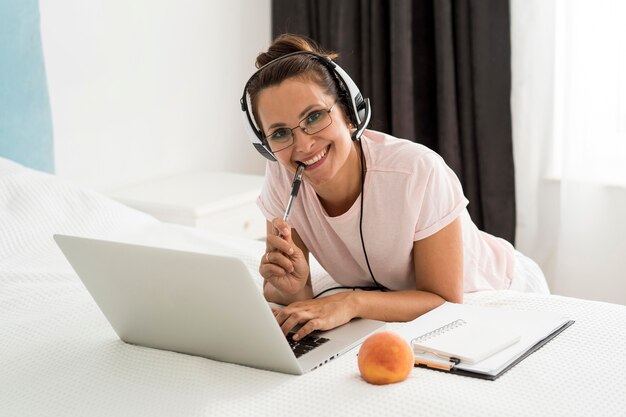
315 158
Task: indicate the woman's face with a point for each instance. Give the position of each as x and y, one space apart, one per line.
324 153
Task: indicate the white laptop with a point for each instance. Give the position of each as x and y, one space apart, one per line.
198 304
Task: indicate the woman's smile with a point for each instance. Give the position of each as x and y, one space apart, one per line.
317 159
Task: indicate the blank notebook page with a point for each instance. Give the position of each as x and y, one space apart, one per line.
470 342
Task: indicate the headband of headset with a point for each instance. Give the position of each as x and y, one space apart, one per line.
358 107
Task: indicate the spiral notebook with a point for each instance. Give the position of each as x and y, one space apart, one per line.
465 341
480 342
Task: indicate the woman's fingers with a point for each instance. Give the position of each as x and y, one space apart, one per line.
282 229
308 328
292 321
278 259
275 243
280 278
288 320
272 273
299 313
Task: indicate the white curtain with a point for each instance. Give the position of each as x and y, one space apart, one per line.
569 131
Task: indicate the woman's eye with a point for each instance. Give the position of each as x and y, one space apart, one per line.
280 134
314 117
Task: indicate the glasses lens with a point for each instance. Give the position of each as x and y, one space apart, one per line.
316 121
280 139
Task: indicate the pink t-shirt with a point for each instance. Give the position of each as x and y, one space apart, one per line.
410 194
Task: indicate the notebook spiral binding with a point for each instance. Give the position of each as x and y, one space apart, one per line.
440 330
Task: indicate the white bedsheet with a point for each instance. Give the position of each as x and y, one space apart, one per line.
60 357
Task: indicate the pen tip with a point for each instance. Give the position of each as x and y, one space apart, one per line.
300 169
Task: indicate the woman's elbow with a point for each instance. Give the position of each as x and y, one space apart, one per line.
455 298
452 296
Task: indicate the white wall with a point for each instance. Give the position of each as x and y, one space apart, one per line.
569 218
532 104
147 88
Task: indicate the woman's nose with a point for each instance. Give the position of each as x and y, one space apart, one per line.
302 142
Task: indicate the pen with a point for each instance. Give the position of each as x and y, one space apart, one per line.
434 360
445 366
295 187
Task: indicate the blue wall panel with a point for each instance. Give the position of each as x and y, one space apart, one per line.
25 120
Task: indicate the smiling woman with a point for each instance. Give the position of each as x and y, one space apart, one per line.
416 245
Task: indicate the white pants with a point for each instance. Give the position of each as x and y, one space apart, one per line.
527 276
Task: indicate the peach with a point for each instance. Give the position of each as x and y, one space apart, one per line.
385 358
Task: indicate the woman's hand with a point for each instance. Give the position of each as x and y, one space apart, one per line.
284 265
321 314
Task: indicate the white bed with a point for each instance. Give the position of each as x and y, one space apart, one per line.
60 357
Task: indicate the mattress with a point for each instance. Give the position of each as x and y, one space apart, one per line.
60 357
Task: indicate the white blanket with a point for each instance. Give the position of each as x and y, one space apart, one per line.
60 357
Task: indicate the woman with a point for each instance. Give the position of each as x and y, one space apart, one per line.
377 212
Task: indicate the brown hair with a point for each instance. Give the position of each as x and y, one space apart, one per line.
305 66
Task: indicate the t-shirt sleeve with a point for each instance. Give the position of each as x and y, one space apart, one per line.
269 200
441 196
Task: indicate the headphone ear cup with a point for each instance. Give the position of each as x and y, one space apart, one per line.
356 104
367 114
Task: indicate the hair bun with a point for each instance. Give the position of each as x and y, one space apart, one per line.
288 43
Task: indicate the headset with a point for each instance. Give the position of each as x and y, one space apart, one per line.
359 112
359 108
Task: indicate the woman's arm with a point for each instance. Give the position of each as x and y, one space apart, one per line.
438 263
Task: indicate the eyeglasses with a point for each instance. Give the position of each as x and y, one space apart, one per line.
315 122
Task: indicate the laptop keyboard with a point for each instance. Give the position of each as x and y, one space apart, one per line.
306 344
